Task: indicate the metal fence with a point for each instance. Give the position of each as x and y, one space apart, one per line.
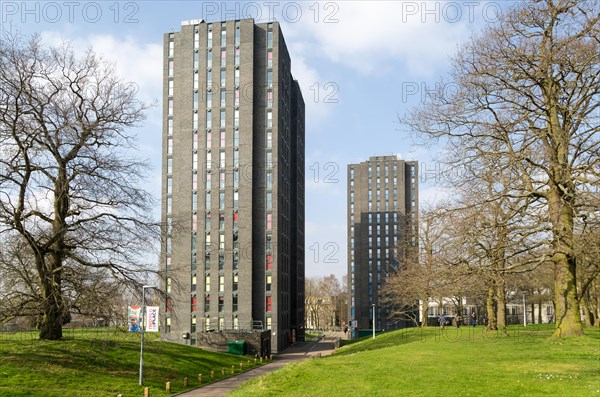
16 332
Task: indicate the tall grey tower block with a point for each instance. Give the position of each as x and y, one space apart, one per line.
233 184
382 219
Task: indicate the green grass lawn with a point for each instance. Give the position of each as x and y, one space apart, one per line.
458 362
105 366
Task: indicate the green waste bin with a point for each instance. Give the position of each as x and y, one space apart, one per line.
236 347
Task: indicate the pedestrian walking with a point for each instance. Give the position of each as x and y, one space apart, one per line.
473 318
442 321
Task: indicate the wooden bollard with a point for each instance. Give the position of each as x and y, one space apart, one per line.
212 374
248 362
185 382
168 386
241 366
146 392
232 369
223 371
255 360
200 378
261 359
270 357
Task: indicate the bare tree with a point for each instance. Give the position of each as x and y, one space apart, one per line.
423 274
528 91
70 188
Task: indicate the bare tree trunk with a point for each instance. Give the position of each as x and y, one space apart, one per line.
424 311
501 307
490 310
589 316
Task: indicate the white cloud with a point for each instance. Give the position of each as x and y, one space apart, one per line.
135 61
364 35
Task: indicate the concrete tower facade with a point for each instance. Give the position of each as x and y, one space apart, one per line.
233 183
382 216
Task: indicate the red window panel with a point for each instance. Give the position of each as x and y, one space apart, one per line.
193 303
268 303
269 262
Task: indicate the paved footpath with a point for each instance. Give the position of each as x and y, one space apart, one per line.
299 351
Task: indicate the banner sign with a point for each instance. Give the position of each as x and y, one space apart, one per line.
133 318
151 319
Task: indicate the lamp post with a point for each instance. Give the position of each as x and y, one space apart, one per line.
142 327
524 311
373 320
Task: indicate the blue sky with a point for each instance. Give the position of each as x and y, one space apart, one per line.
360 64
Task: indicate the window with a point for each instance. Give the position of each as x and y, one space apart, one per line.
269 221
193 303
223 98
208 181
171 48
221 306
171 65
270 59
236 137
270 79
169 166
207 283
221 283
270 39
234 307
223 36
269 139
171 87
170 146
223 78
236 179
209 99
208 123
269 262
209 58
207 222
269 201
223 57
269 300
222 119
237 97
170 107
222 140
209 40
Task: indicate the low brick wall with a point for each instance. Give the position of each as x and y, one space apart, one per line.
257 342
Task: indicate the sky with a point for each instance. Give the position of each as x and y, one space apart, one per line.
361 66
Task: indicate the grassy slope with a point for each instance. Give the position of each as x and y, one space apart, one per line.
464 362
103 367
